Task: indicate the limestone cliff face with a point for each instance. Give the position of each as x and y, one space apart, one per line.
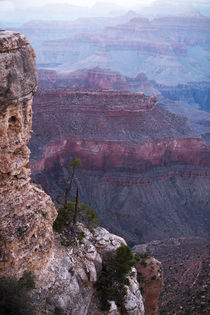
66 286
65 277
27 213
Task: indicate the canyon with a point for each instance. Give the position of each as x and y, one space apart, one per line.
65 277
140 162
129 96
190 100
169 50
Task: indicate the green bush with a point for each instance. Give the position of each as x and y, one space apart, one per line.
15 295
140 256
64 223
112 282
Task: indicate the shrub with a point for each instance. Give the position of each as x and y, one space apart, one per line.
140 256
112 282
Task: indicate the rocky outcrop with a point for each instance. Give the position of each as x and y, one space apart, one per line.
27 213
185 264
67 285
150 277
65 277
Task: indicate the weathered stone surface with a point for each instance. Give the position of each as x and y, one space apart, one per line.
17 68
151 282
67 284
27 213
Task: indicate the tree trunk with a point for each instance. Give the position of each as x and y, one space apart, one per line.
76 206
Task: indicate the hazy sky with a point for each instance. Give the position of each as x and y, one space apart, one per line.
25 3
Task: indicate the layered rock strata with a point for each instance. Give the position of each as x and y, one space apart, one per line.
27 213
140 163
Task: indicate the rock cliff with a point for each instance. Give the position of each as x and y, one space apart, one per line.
65 277
27 212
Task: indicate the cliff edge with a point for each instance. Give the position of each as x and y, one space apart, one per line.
27 213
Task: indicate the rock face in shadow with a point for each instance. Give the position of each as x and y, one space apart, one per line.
27 212
140 163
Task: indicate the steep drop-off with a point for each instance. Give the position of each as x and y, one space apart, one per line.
141 164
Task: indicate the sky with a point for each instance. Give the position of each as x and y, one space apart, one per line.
6 4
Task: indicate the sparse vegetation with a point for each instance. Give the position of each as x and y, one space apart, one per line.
141 258
111 285
70 212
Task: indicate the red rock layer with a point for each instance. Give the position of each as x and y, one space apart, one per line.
140 157
110 130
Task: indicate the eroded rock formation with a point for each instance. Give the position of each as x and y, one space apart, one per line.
150 278
96 78
66 286
165 49
27 212
186 274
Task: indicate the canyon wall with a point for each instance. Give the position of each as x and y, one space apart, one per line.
170 50
190 100
140 163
